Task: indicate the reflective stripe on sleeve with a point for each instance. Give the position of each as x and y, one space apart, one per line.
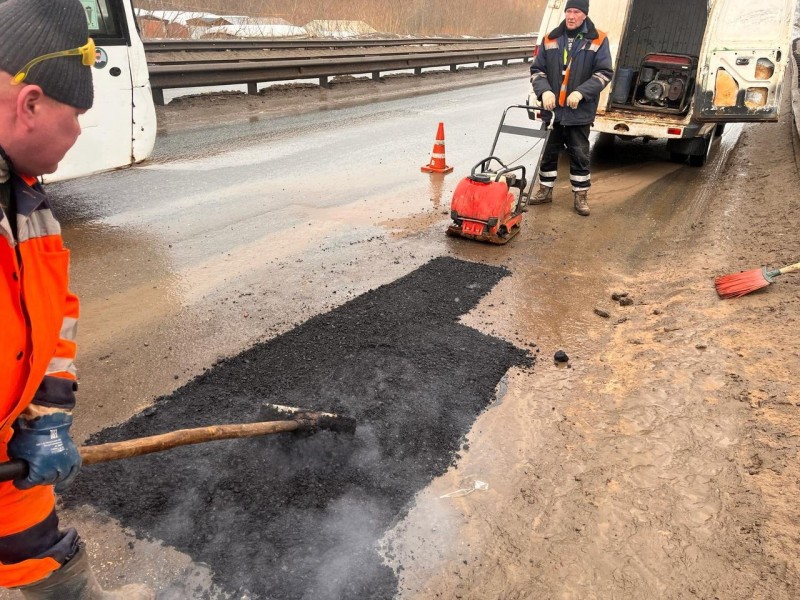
602 78
61 365
69 328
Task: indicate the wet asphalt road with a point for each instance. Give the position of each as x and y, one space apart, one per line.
235 233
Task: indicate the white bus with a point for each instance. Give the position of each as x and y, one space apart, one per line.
120 129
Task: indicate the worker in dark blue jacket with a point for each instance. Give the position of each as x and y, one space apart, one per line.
572 67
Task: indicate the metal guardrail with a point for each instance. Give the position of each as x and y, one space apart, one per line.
170 75
155 46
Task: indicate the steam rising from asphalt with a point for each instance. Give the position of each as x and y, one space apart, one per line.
298 516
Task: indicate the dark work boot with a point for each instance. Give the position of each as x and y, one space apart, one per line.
582 203
543 195
75 581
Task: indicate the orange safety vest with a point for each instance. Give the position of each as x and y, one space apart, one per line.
38 319
38 314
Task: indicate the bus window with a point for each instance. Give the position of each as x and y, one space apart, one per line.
104 25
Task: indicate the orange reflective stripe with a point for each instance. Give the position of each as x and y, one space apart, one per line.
562 94
26 572
601 37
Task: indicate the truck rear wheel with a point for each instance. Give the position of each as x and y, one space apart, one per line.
604 145
696 149
698 160
678 157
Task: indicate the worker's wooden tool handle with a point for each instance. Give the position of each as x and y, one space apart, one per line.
183 437
18 469
13 469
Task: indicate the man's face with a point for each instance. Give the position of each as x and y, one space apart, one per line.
574 18
55 129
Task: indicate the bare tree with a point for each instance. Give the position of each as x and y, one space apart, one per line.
412 17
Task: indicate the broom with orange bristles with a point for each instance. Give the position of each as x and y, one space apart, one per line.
739 284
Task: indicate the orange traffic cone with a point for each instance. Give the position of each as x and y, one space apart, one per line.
437 164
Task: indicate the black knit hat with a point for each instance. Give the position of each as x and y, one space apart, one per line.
31 28
581 5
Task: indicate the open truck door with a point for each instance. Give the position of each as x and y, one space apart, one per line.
745 58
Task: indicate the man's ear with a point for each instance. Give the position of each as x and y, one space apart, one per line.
29 105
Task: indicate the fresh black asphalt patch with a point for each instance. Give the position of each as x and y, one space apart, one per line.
299 516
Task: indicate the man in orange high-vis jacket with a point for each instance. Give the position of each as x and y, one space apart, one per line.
45 85
572 66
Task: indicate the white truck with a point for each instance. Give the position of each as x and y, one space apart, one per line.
682 69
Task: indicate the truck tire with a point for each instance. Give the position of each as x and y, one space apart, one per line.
604 145
698 160
681 148
605 139
677 157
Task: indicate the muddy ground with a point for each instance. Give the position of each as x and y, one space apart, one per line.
660 462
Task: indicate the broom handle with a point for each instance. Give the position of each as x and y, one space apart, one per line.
789 269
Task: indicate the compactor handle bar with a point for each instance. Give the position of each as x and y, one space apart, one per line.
540 133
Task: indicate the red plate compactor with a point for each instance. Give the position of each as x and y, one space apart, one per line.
487 205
